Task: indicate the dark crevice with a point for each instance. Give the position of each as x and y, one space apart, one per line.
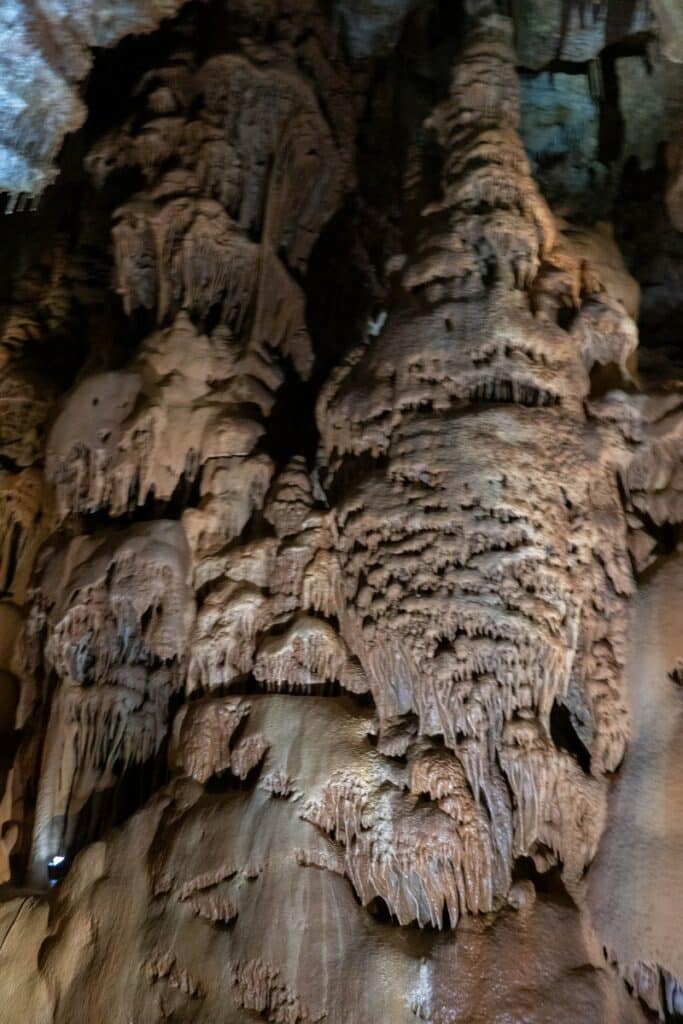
352 469
604 378
378 908
11 557
291 428
186 495
565 736
549 884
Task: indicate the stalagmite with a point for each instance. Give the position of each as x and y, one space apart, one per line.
476 595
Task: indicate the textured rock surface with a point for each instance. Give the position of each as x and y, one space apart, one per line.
574 30
670 18
464 603
651 99
340 517
111 616
47 52
372 27
183 889
635 886
560 126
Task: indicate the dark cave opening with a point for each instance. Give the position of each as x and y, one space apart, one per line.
565 736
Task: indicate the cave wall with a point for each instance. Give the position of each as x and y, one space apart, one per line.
340 488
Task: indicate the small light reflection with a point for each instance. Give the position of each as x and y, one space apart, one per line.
56 868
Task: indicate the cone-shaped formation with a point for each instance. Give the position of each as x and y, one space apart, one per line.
481 539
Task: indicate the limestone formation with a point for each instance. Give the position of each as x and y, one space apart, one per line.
577 31
340 513
634 891
111 616
205 890
463 558
47 53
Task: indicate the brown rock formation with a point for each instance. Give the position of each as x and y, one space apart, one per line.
338 666
463 552
232 875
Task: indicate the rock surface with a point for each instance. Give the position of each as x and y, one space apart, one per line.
340 515
47 52
635 890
